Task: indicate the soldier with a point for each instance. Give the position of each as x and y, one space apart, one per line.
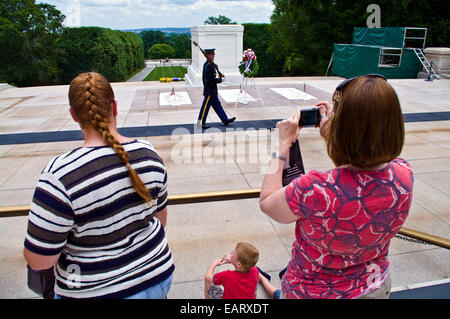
210 92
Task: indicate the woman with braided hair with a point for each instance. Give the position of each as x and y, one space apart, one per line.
99 211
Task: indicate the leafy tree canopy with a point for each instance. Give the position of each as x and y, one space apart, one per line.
151 38
29 33
161 51
26 15
219 20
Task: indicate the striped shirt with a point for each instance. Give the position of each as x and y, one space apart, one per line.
85 208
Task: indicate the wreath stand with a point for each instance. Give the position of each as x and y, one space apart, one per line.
242 91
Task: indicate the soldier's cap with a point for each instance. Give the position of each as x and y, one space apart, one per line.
210 51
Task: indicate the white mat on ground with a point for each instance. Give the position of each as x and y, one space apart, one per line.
179 98
293 94
231 96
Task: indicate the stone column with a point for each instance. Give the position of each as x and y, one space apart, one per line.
227 40
441 60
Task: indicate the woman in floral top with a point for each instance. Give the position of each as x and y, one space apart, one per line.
345 217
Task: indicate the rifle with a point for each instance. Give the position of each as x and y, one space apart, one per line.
209 60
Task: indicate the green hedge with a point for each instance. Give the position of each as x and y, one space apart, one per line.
114 54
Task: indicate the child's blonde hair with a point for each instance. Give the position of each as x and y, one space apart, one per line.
247 255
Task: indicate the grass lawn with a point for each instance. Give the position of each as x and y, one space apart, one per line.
166 72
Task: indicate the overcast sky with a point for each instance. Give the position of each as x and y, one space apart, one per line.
135 14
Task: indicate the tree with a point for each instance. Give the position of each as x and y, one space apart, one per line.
151 38
32 31
219 20
181 44
28 16
12 43
161 51
257 38
303 32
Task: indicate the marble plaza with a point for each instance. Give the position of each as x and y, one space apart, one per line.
197 233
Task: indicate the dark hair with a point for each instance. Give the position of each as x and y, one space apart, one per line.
367 128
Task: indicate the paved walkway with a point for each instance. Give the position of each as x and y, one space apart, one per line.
235 159
141 75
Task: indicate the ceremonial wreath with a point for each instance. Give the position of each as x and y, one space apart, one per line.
249 65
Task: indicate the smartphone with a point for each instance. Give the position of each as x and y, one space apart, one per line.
310 117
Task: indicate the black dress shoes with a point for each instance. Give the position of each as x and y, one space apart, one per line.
229 121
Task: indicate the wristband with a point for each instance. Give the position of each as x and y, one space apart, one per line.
279 156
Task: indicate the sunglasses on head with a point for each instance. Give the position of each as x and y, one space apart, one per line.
343 84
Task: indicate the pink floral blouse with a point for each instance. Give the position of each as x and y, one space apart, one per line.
347 219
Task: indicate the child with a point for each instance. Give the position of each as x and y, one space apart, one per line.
238 284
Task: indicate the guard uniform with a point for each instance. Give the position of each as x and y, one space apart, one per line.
211 95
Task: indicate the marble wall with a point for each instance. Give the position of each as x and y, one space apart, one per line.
227 40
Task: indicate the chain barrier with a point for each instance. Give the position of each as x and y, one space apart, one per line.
412 240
